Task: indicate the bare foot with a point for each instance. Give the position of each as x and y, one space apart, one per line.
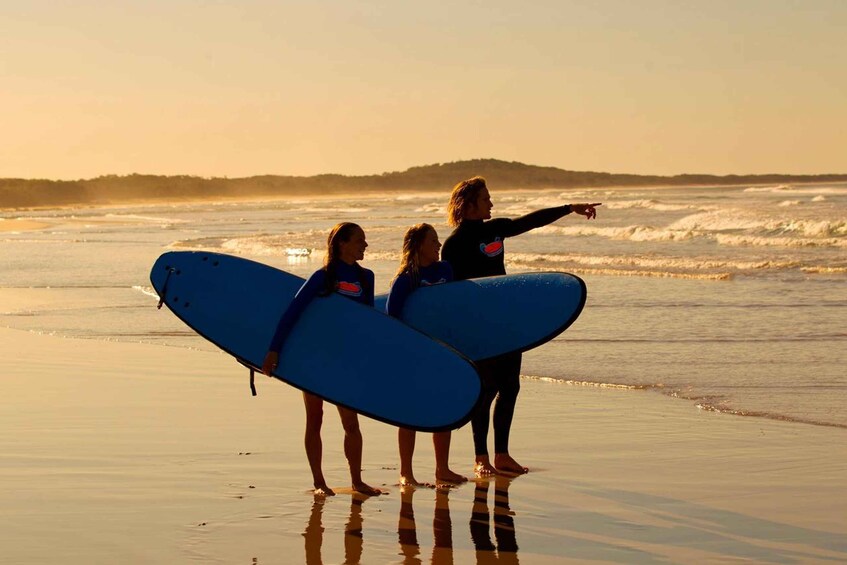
411 482
483 468
448 476
323 490
408 481
504 462
366 489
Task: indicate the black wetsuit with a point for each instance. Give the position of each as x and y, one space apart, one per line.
476 249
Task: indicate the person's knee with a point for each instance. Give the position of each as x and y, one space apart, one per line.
349 421
351 428
314 420
510 388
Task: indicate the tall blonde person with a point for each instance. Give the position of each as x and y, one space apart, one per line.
476 248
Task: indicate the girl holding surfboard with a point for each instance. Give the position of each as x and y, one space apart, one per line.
476 249
341 273
420 267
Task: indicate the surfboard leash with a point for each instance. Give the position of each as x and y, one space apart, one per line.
252 368
164 294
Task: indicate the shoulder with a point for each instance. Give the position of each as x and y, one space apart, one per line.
455 234
401 282
446 268
318 276
441 270
497 223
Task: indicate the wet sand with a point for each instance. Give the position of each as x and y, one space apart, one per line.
116 452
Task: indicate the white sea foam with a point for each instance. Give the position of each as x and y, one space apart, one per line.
146 290
669 264
140 218
761 241
432 208
741 220
777 188
787 188
825 270
332 210
630 233
649 205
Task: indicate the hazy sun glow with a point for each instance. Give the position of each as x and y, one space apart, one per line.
256 87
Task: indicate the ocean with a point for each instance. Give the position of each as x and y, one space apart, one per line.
732 299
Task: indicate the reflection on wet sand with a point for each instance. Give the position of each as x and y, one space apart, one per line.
442 528
407 533
506 549
314 534
502 549
353 541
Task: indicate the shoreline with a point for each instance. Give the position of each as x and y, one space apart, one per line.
127 451
144 202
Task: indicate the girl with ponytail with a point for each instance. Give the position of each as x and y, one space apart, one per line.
340 273
419 267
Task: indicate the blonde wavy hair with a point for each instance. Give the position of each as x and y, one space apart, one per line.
464 195
411 260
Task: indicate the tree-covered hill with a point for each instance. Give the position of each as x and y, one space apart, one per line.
113 189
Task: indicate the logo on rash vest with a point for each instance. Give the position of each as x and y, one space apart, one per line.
425 282
492 249
348 288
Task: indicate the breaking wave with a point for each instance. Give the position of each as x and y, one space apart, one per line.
706 403
728 227
628 233
651 205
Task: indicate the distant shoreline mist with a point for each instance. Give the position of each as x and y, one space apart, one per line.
505 175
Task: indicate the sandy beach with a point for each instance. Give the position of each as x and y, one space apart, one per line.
133 453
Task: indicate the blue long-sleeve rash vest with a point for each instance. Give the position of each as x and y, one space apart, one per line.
437 273
353 281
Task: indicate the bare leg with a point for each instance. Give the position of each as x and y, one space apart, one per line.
441 443
353 450
313 443
406 442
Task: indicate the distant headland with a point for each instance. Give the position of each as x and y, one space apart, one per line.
115 189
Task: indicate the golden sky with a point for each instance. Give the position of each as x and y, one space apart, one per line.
249 87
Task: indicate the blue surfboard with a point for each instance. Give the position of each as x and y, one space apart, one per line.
380 368
492 316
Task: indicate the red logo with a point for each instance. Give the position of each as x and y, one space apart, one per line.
492 249
348 288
